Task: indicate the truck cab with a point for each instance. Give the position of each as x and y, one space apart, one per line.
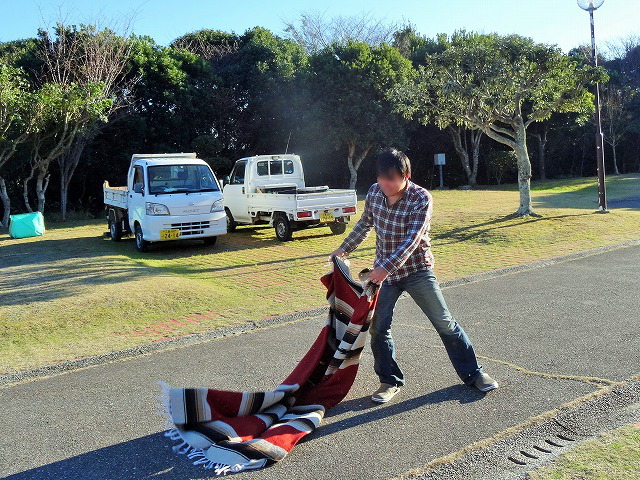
167 197
271 189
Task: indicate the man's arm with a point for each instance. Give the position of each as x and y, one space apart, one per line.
418 221
362 228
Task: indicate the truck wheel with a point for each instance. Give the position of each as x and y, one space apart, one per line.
231 223
283 228
210 241
115 227
337 228
141 244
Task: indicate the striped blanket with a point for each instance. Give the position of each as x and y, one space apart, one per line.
230 431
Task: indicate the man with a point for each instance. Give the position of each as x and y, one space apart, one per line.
400 211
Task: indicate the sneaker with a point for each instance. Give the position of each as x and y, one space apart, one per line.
385 393
484 383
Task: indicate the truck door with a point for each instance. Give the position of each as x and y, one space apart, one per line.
136 198
235 193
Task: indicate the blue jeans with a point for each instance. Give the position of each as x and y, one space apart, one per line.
423 287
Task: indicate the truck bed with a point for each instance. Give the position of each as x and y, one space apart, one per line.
280 201
115 196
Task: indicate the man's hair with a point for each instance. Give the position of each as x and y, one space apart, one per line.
390 160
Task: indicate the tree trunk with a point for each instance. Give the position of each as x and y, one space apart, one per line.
524 173
524 181
517 140
476 137
353 171
354 161
68 163
542 143
42 182
64 191
615 160
458 135
6 203
25 189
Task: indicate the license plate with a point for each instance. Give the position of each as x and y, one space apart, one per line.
169 234
326 217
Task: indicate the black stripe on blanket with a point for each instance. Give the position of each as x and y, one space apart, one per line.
257 401
240 448
341 316
336 362
190 405
350 337
211 433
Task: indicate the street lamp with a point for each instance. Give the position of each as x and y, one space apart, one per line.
590 6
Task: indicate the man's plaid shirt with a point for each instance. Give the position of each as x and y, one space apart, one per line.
402 230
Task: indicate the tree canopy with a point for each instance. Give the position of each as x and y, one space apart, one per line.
500 85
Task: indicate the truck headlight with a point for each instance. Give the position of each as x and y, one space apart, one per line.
156 209
218 206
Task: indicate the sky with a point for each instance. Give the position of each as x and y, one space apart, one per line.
559 22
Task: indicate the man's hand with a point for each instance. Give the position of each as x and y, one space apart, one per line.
340 253
378 274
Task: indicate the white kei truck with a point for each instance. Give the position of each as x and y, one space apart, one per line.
169 196
270 189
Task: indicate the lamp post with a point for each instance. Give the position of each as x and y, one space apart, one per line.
590 6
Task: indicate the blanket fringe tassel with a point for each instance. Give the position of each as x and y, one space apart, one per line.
196 454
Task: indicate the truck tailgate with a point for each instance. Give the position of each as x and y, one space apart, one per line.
115 196
328 199
272 202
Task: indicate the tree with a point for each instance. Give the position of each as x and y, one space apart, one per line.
501 163
84 57
243 94
616 117
347 88
21 115
621 97
415 47
69 108
499 85
542 137
314 31
461 138
103 58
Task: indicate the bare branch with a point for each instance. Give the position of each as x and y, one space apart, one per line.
314 31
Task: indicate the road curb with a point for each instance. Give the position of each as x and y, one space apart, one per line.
536 442
251 326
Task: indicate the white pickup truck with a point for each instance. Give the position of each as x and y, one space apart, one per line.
270 189
168 196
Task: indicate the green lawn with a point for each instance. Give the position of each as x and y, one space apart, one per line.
612 456
72 292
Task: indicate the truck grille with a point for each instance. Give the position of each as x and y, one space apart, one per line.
191 228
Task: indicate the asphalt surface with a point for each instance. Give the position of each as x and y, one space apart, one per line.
576 318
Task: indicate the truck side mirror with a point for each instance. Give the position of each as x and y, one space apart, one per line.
225 180
137 188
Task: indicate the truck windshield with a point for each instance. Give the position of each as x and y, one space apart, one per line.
181 178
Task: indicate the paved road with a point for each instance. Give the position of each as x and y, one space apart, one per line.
577 317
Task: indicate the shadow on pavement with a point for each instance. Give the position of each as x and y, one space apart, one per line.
372 412
145 457
151 456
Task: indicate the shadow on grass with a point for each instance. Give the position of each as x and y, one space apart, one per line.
48 269
623 191
468 232
95 260
54 268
